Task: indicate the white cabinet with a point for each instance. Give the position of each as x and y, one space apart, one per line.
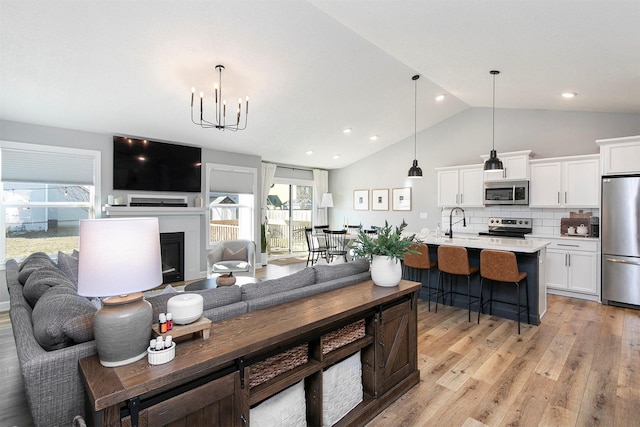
620 155
460 186
516 166
572 268
565 182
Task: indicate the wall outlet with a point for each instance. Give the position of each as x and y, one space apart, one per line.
424 215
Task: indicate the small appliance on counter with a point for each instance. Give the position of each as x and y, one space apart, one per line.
594 226
508 227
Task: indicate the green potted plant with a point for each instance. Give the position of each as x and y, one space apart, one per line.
386 249
263 243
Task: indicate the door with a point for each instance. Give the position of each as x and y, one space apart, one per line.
448 188
582 272
556 269
546 184
620 216
581 183
394 343
471 187
621 279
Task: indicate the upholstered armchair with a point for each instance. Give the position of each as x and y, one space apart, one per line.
232 256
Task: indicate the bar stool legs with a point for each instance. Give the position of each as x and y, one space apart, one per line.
441 292
518 299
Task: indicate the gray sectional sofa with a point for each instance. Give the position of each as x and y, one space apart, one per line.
53 325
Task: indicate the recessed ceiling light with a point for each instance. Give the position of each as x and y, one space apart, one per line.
374 137
440 97
347 130
309 152
569 95
336 156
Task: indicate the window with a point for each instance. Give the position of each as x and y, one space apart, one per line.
46 190
231 203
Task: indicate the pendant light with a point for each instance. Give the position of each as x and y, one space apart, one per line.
493 163
414 170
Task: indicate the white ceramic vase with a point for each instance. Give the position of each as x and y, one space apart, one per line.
385 271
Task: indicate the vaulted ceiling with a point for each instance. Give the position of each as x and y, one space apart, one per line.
311 68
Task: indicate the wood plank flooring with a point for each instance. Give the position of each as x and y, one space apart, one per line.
581 367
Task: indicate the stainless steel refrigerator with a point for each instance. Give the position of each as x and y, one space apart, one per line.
620 238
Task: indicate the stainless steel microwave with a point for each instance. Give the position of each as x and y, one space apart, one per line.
506 193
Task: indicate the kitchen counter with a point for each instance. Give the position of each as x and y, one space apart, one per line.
487 242
530 254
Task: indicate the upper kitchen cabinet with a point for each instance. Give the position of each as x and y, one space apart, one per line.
572 182
516 166
620 156
460 186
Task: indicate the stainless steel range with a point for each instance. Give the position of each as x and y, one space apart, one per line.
508 227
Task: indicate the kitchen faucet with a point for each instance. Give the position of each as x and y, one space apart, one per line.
464 221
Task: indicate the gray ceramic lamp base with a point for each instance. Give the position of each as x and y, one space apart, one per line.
122 328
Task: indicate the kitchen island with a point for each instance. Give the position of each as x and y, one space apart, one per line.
530 254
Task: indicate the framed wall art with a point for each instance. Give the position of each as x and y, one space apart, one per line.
361 200
380 200
402 199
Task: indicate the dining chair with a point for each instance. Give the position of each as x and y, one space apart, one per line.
336 244
316 250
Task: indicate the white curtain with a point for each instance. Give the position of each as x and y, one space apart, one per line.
268 172
320 186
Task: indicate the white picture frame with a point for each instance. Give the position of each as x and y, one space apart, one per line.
380 199
361 200
402 199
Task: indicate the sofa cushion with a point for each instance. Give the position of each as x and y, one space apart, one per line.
55 315
299 279
68 264
33 262
325 273
41 280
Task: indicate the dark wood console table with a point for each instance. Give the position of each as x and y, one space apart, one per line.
207 382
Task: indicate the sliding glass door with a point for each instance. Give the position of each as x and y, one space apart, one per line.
289 211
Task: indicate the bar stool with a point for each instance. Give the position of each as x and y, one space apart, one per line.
454 261
421 262
502 266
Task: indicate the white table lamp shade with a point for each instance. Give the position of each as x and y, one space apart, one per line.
118 256
327 200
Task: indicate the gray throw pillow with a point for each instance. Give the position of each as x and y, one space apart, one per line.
32 263
55 316
41 280
239 255
68 263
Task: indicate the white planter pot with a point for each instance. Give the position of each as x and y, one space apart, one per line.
263 258
385 271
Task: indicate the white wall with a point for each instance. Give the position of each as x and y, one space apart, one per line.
461 140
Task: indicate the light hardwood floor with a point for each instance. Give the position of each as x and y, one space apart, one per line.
581 367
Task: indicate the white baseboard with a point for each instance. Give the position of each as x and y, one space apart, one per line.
4 306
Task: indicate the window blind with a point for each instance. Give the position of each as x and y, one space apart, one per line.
230 181
46 166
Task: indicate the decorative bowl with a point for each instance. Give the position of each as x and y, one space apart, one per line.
226 280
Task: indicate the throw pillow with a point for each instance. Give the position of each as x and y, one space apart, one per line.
41 280
239 255
55 315
33 262
68 263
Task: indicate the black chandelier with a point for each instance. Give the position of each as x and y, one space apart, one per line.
220 119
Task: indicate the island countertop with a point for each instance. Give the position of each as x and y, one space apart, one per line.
528 246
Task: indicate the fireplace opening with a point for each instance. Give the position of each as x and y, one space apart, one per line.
172 253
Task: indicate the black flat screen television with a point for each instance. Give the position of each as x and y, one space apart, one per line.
155 166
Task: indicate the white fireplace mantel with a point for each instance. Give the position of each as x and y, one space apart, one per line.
150 211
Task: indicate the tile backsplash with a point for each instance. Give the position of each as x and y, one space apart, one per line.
546 221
